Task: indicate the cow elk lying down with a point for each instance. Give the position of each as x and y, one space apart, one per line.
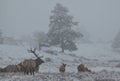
82 68
12 68
62 68
1 69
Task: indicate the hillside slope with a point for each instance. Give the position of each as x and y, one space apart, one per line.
94 56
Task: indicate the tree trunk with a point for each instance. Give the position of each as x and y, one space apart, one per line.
39 47
62 44
62 50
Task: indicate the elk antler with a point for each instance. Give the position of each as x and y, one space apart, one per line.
41 56
33 51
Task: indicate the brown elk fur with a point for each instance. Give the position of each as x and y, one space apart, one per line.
1 69
18 67
11 68
62 68
82 68
30 66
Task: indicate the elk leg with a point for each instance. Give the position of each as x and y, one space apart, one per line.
33 71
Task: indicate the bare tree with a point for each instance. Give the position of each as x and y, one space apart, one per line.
41 39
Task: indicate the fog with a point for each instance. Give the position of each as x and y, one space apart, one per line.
101 18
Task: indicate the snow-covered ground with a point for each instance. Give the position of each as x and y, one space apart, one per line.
100 58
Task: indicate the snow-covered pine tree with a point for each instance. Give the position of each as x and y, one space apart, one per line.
61 32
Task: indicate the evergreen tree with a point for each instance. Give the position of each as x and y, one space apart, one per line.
61 31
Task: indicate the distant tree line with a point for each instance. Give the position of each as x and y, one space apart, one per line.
1 37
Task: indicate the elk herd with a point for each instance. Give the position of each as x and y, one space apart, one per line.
30 66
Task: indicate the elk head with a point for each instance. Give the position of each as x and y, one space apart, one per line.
63 64
38 60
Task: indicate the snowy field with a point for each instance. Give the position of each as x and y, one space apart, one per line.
100 58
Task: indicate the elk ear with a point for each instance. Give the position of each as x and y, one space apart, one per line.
62 63
65 64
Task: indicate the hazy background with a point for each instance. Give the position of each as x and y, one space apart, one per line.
101 18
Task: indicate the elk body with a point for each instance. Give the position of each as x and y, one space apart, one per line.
1 69
29 66
12 68
82 68
62 68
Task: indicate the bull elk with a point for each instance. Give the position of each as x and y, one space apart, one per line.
31 65
62 68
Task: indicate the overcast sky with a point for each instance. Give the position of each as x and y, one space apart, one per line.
101 18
